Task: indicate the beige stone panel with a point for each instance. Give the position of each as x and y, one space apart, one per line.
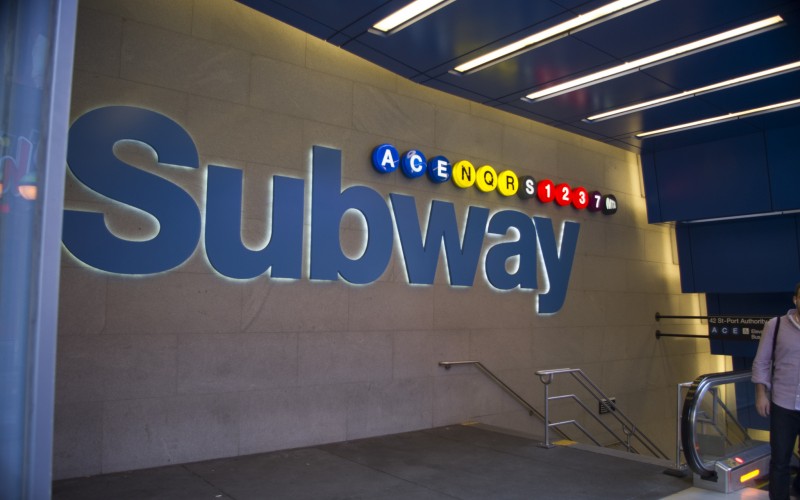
390 407
109 367
634 375
342 357
500 116
391 306
222 129
686 368
467 397
560 347
98 43
604 273
388 114
283 418
470 135
296 91
579 166
517 422
624 175
658 244
506 349
78 370
140 433
90 91
237 25
408 88
174 302
628 342
628 309
631 210
679 346
465 308
418 353
327 58
648 276
581 308
527 153
175 15
272 305
82 301
527 385
179 62
592 238
234 363
77 440
625 242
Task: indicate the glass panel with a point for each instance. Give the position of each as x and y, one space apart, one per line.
718 433
34 94
718 406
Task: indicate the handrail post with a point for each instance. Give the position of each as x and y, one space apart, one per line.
679 470
546 380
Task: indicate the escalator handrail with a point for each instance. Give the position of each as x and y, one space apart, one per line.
694 395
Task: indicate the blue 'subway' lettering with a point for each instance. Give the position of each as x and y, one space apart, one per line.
86 236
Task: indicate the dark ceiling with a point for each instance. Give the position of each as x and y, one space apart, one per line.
428 50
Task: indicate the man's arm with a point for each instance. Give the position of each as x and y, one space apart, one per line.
762 401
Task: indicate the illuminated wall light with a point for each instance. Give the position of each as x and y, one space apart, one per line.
730 116
574 25
407 16
651 60
779 70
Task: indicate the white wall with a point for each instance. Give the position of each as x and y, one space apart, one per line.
188 365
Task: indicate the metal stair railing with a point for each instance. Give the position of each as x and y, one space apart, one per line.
531 410
629 429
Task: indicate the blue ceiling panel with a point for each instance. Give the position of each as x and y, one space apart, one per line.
665 116
735 128
381 59
767 50
579 104
778 119
756 94
319 27
425 51
673 22
322 19
456 90
555 61
458 30
519 109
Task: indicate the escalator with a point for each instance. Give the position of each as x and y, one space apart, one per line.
716 421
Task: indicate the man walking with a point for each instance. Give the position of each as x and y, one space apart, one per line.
776 375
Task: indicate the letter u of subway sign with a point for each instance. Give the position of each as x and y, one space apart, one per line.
86 236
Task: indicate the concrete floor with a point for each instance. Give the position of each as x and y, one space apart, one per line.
455 462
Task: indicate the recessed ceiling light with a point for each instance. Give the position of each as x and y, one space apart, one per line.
660 57
778 70
538 39
730 116
407 16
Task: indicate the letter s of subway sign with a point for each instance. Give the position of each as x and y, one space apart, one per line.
87 237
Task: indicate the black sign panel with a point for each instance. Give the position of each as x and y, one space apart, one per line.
730 328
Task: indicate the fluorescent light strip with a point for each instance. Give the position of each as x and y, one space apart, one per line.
549 34
691 93
659 57
730 116
408 15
